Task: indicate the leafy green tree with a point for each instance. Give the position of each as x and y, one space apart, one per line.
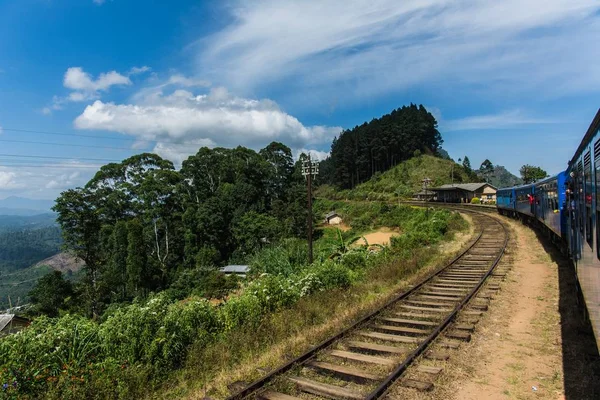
466 164
530 173
136 258
81 226
253 230
51 293
486 169
118 270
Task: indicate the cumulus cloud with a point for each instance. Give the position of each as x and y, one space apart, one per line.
77 79
8 180
86 88
379 46
181 122
316 155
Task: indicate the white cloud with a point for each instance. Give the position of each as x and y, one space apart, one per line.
184 81
182 122
316 155
99 2
77 79
85 88
139 70
8 180
379 46
502 120
44 180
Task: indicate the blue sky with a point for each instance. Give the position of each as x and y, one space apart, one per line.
513 81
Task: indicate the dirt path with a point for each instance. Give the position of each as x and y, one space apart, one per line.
532 343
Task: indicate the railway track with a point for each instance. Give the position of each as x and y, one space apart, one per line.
363 361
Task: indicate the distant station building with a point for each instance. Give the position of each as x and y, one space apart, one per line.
464 192
11 323
333 218
425 195
239 270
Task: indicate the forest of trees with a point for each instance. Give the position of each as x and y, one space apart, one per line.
357 154
141 226
22 248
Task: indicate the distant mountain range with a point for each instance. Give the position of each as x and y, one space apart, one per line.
22 206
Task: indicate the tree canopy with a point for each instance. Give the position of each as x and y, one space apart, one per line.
139 223
357 154
530 173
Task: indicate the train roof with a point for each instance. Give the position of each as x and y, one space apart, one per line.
594 126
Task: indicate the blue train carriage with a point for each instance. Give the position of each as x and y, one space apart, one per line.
505 201
583 231
550 200
523 204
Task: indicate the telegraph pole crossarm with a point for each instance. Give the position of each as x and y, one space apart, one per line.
310 168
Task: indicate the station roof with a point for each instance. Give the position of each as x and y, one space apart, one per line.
469 187
236 269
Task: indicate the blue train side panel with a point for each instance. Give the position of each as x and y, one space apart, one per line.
523 205
505 199
549 202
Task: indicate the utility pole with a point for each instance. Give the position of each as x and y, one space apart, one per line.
426 182
310 168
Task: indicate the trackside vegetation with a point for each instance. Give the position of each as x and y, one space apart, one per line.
131 349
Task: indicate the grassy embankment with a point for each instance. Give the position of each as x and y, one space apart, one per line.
403 181
166 348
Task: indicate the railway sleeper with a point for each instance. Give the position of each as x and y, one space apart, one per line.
391 338
416 384
365 347
401 329
271 395
324 389
413 322
349 355
345 373
429 370
459 335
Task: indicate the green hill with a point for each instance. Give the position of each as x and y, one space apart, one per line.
403 180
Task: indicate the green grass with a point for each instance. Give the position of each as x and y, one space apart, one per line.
403 181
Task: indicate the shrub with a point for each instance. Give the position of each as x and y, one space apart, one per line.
239 311
475 200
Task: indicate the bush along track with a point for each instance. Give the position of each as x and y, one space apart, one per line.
345 367
132 349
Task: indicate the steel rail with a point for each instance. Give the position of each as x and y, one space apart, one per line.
261 382
382 389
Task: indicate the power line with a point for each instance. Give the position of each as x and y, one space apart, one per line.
50 166
65 144
65 134
60 158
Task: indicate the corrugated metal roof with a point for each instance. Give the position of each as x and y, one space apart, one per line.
236 269
5 320
331 215
471 187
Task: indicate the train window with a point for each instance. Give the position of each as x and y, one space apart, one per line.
596 183
587 160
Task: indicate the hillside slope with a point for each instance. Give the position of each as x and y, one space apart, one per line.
404 180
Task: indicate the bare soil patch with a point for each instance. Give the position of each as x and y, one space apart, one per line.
381 236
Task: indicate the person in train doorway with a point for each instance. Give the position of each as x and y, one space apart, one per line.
531 201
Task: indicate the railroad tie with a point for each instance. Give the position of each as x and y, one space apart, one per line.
270 395
349 355
374 348
344 372
419 385
324 389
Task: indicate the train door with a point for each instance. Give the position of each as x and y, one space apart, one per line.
597 193
589 211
